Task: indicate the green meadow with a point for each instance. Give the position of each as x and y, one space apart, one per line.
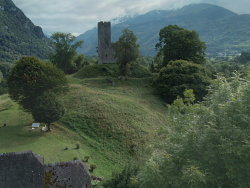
112 123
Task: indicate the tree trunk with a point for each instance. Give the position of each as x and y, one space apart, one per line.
48 126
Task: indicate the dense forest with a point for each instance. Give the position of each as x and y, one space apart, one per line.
19 36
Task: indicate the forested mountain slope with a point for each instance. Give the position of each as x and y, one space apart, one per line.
18 35
222 30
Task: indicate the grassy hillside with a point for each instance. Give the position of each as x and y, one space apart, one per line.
111 122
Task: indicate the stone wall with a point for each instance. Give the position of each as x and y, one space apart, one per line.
67 174
106 49
21 170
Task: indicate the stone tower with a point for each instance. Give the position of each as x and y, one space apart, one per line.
106 50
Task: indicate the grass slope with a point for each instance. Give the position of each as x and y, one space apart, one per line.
111 122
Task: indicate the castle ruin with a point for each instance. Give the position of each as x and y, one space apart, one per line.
27 170
106 49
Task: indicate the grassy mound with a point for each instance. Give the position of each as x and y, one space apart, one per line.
111 69
112 123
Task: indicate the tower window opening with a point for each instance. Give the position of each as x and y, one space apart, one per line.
106 55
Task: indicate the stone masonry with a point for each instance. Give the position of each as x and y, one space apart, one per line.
106 49
21 169
67 174
27 170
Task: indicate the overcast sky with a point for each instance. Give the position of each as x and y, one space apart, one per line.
77 16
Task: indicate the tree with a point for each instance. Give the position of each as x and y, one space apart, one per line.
179 75
176 43
1 76
206 144
47 108
79 61
30 77
65 51
244 58
126 50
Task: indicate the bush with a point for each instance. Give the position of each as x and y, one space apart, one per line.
92 167
86 158
78 145
75 158
177 76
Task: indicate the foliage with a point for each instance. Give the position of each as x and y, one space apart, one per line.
157 63
244 58
3 87
125 179
93 167
65 52
5 68
180 75
111 69
126 50
227 66
30 77
19 36
48 108
176 43
86 158
79 61
205 144
75 158
78 145
143 61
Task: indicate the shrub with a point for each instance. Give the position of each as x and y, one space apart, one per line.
78 145
75 158
92 167
86 158
177 76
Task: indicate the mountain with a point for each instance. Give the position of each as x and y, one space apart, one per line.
221 29
19 36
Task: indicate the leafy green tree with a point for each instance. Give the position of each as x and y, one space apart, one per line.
48 108
206 144
30 77
179 75
126 50
1 76
176 43
65 52
5 68
244 58
79 61
156 65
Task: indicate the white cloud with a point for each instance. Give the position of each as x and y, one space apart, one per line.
77 16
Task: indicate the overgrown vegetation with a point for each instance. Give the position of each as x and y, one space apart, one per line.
205 144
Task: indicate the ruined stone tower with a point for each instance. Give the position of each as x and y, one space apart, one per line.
106 49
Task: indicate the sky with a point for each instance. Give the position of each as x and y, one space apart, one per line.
78 16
